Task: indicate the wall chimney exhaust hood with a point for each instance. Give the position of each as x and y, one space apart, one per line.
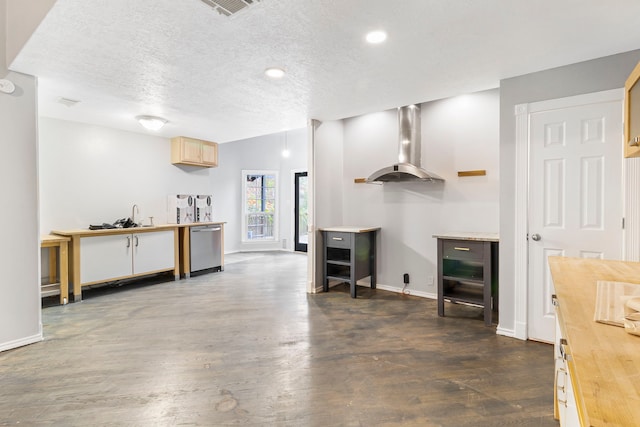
408 167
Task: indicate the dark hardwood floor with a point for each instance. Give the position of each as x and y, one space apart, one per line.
248 346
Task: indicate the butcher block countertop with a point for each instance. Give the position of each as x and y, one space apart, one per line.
605 359
85 232
349 229
460 235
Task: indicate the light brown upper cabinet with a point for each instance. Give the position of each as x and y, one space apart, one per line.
632 114
194 152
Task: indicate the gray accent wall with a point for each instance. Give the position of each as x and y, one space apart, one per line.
458 134
259 153
585 77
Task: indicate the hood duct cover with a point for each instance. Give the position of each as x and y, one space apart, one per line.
408 166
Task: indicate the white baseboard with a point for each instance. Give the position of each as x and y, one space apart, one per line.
407 291
511 333
395 289
21 342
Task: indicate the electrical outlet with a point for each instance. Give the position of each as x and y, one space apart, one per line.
430 280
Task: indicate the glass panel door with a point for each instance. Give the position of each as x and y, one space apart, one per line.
301 212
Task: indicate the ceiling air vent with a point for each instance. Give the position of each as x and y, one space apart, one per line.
229 7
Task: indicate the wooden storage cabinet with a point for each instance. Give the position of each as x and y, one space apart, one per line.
194 152
467 273
349 256
632 114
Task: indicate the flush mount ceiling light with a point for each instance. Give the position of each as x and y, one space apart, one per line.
375 37
274 72
151 122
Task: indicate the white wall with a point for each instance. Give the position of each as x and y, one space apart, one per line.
259 153
19 255
458 134
92 174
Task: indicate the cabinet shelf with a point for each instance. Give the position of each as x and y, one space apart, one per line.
477 282
334 262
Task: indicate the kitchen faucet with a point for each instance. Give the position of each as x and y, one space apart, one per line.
134 209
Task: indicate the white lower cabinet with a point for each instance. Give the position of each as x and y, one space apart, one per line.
565 402
153 252
116 256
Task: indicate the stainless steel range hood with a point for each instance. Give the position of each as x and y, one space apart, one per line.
408 166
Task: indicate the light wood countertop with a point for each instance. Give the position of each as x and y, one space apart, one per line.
349 229
85 232
461 235
49 240
605 359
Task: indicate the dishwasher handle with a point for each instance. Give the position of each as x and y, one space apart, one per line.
198 230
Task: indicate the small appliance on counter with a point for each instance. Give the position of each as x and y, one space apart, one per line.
204 209
180 209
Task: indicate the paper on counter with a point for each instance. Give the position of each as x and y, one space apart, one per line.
615 300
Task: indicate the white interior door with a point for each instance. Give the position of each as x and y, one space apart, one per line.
575 196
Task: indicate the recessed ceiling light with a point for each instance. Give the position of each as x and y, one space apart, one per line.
151 122
375 37
274 72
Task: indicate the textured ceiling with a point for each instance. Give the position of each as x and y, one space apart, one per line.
204 72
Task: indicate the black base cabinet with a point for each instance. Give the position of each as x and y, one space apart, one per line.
349 254
468 273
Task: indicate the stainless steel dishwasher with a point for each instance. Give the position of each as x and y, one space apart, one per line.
205 248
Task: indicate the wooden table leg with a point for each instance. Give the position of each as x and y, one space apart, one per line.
53 263
64 272
75 272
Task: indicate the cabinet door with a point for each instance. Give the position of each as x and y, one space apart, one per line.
210 153
153 251
191 150
632 114
105 257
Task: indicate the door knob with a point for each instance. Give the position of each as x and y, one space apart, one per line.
536 237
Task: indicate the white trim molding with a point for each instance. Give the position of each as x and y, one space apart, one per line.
21 342
521 201
631 233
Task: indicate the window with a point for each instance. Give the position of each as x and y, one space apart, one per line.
259 205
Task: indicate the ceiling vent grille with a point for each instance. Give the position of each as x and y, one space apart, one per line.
229 7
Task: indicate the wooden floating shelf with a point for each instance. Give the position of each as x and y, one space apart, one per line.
360 180
481 172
